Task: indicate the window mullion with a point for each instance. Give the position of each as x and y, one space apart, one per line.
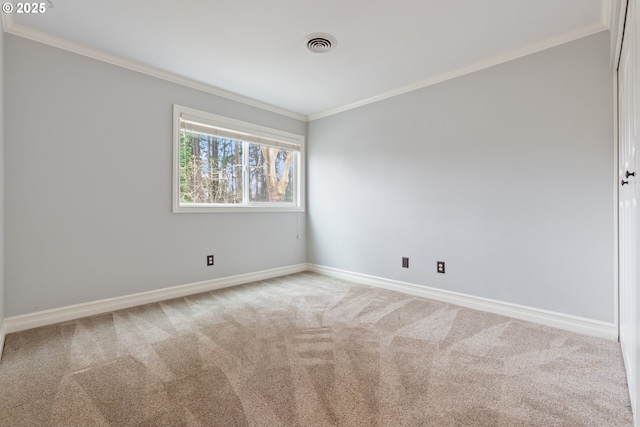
245 173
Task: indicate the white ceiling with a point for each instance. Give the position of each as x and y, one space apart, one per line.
256 49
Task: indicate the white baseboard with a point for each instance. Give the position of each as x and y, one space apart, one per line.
2 335
549 318
76 311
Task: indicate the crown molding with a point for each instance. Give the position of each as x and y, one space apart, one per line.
41 37
515 54
606 11
80 49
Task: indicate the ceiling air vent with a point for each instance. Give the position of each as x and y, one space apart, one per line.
320 43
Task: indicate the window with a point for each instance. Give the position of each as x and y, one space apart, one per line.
226 165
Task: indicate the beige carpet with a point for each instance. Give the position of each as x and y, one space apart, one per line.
307 350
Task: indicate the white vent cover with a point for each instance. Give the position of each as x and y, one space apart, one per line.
320 42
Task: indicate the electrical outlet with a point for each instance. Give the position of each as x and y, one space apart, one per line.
405 262
209 260
440 267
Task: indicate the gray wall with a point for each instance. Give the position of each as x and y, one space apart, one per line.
88 187
1 176
505 174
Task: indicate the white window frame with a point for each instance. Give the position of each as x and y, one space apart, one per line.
245 131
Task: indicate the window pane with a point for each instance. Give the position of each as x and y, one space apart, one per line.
226 165
210 169
271 174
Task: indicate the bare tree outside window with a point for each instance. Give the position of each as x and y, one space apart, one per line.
271 174
210 169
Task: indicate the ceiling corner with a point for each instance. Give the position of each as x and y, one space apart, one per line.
6 21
